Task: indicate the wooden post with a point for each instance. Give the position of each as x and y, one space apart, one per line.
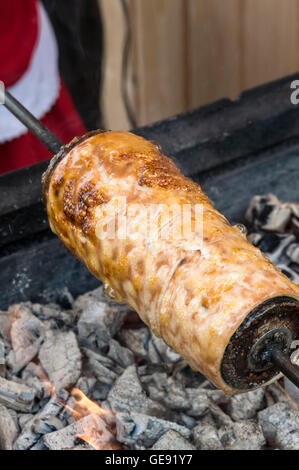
112 104
187 53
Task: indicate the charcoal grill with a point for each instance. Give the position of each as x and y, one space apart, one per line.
233 149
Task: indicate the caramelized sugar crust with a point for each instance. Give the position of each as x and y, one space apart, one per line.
194 293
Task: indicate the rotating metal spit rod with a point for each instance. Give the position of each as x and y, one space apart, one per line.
35 126
272 349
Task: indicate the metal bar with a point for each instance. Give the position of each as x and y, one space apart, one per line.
34 125
283 363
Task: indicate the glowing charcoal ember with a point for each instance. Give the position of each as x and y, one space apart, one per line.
93 424
91 429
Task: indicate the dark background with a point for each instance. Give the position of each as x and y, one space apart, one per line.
78 29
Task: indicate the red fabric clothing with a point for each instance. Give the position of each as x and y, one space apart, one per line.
18 36
62 120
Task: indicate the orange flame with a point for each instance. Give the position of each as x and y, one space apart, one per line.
98 431
87 406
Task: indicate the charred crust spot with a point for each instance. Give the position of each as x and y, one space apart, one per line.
58 181
161 171
87 225
57 184
89 197
69 207
80 211
125 156
65 149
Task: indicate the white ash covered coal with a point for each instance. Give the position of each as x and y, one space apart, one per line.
93 376
274 229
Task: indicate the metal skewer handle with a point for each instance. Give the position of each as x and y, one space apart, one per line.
43 134
272 349
283 363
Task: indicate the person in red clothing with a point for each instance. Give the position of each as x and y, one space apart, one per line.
29 70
